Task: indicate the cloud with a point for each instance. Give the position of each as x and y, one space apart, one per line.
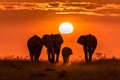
9 7
54 4
83 13
86 8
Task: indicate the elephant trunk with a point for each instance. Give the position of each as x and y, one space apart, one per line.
52 50
51 55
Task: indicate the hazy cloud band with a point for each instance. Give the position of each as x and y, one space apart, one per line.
86 8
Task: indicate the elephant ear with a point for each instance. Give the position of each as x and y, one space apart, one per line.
81 40
46 40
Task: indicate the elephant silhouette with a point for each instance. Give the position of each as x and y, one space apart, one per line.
34 45
66 52
89 43
53 44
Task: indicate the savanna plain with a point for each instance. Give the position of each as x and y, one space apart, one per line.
103 69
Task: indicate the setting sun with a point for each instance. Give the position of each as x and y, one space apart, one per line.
66 28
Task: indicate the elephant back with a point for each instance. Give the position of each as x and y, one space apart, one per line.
58 38
91 40
66 51
88 40
34 41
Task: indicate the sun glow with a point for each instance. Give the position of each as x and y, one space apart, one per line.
66 28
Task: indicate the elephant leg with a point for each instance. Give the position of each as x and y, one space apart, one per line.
49 57
53 58
86 55
31 56
37 54
64 60
37 57
57 57
90 55
68 58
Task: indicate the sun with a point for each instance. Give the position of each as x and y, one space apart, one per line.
66 28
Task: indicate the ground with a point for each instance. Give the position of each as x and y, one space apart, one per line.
26 70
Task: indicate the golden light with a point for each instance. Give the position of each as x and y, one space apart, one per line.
66 28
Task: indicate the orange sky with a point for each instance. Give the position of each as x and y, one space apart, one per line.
19 22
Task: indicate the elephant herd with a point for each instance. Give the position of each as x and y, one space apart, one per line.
53 44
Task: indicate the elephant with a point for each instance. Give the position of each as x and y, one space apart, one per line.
89 43
34 45
53 44
66 52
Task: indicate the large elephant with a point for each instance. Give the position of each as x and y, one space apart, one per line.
66 52
53 44
89 43
35 46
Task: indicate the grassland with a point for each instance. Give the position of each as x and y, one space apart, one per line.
108 69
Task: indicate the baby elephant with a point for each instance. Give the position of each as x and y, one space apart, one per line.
66 52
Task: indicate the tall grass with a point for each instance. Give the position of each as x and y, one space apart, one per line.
23 69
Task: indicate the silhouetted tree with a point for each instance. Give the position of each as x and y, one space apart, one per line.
66 52
89 43
35 46
53 44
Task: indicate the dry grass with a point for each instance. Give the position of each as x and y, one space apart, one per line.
107 69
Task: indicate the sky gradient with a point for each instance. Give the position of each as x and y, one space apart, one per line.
21 19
